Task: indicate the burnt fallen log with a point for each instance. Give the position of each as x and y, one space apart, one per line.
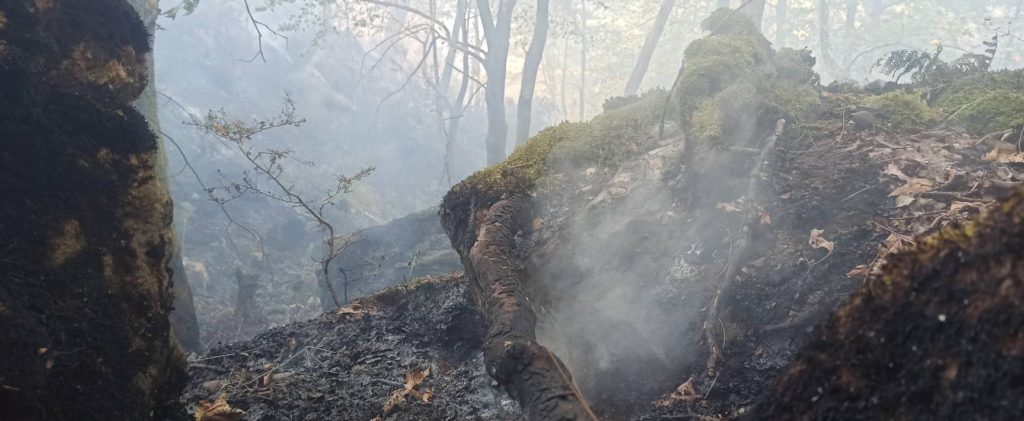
483 229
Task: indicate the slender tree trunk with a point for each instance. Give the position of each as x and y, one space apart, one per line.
534 55
825 36
756 12
877 7
497 33
781 22
851 14
643 61
563 89
583 60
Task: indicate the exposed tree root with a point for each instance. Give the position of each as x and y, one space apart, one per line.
532 375
742 247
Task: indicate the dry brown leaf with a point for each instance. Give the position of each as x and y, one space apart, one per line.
819 242
893 170
537 224
357 309
914 186
413 378
766 218
858 271
956 207
1005 154
684 393
728 207
218 411
904 200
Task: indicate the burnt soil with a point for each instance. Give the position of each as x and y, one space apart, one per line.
346 364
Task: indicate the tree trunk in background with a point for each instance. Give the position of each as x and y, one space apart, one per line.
756 12
583 60
534 55
563 89
643 61
877 7
825 38
184 324
86 292
851 14
722 3
781 22
497 33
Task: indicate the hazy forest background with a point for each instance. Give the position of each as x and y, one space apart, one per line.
411 96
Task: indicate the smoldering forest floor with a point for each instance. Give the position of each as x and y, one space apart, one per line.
347 364
838 201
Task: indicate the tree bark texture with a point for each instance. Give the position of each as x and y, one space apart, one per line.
485 237
184 323
86 292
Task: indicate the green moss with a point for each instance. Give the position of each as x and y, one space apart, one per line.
796 66
712 64
706 122
798 101
995 111
600 141
903 109
987 102
529 158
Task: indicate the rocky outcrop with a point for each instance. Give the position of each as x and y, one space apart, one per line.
86 290
392 254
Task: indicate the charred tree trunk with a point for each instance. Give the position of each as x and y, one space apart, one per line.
183 318
483 230
534 55
87 293
643 61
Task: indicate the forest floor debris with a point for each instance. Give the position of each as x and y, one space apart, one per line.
408 353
